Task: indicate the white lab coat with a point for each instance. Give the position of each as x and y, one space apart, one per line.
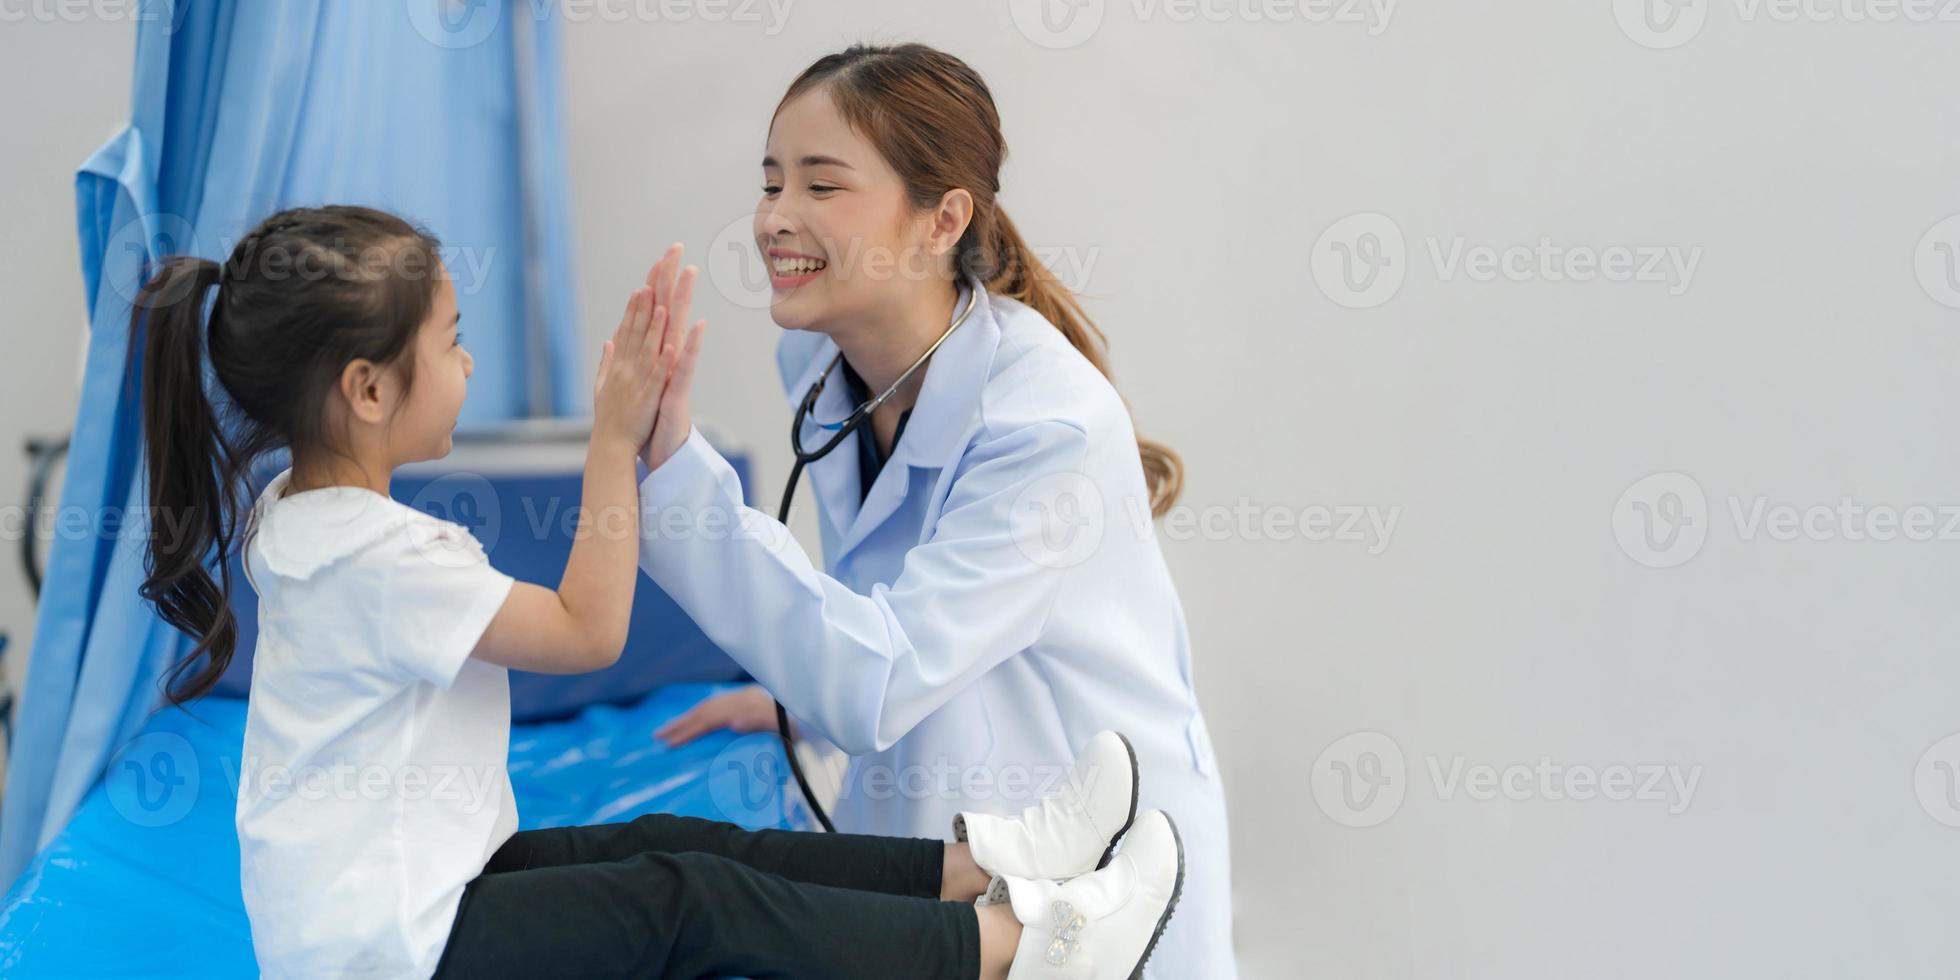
974 622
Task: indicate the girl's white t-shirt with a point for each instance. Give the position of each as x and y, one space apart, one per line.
373 783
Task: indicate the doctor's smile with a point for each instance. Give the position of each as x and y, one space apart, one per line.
789 270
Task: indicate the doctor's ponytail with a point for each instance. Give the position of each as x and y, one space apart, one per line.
934 120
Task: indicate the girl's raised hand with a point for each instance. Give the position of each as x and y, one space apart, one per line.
634 367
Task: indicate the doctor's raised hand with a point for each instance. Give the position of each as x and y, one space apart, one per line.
672 291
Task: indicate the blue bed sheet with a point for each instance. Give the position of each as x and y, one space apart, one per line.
143 882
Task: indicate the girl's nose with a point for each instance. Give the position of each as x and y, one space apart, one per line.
469 365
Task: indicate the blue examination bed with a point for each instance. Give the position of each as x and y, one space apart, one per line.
143 881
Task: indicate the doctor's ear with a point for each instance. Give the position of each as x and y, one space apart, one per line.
949 221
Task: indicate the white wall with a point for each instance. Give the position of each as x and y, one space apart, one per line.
1193 166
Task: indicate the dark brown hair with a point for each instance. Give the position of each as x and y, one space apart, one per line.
934 120
305 293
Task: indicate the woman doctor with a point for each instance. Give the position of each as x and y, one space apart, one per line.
991 594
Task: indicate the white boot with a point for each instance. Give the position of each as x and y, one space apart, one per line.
1069 833
1102 925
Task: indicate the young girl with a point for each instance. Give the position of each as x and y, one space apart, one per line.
376 826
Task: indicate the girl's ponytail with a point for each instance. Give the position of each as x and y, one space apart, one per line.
302 295
192 496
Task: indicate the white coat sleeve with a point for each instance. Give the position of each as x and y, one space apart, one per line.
865 669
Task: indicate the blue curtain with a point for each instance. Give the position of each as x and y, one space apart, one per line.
444 111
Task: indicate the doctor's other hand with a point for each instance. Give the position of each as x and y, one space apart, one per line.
743 710
673 289
633 371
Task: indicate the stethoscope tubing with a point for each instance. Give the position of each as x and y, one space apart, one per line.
840 432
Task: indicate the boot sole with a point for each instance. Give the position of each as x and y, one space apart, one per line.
1177 892
1136 779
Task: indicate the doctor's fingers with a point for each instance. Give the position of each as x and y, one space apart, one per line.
682 380
678 303
709 716
661 276
673 336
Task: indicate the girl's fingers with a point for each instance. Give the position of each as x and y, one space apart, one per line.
626 318
646 314
605 362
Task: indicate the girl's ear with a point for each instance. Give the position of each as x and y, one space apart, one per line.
950 219
365 386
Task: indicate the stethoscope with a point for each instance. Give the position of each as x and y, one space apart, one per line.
840 431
